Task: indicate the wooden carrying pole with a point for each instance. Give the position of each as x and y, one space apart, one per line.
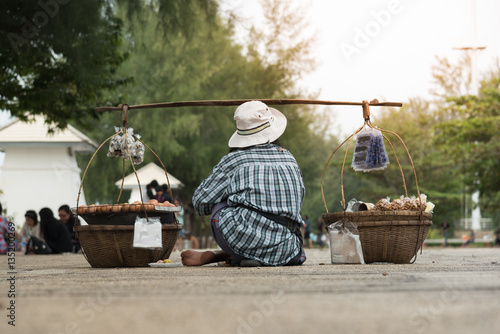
222 103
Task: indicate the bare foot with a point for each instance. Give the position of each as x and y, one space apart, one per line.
195 258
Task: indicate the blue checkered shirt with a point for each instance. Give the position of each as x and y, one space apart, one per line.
265 177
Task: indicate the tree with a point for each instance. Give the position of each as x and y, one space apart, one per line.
469 131
59 58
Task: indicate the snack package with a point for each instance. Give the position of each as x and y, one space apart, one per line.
397 204
147 234
125 146
345 246
383 205
369 152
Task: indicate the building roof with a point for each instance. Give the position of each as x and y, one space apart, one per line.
147 174
35 133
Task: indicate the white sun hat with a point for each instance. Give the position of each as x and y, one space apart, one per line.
256 124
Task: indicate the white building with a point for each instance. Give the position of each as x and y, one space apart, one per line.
146 174
39 169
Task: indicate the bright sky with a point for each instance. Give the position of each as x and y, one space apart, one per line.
385 49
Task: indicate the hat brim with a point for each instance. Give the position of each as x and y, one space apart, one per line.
268 135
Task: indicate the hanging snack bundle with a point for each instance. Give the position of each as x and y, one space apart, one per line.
369 152
125 146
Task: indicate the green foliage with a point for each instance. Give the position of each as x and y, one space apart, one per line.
469 133
58 59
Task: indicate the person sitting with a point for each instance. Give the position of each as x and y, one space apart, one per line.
470 239
55 233
162 195
31 227
8 234
68 219
151 190
254 194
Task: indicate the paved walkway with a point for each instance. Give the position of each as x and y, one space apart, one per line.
450 290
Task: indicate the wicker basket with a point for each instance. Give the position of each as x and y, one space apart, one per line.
387 236
109 246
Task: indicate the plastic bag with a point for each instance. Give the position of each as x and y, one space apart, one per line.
345 246
147 234
369 152
125 146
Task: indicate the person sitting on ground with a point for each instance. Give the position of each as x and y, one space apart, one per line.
151 190
254 194
470 239
68 219
8 234
55 233
162 195
31 227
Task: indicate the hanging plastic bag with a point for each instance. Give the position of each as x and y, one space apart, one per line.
345 246
147 234
369 152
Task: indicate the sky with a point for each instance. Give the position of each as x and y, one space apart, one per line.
385 49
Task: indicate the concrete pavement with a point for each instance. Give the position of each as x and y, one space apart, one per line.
452 290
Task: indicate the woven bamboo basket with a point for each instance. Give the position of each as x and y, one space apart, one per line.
386 236
109 246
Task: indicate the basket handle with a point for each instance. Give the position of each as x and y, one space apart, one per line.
366 116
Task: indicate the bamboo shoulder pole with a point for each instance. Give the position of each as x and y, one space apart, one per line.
223 103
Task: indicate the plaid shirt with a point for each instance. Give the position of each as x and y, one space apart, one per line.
265 177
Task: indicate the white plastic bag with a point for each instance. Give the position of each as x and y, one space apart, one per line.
345 246
147 234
